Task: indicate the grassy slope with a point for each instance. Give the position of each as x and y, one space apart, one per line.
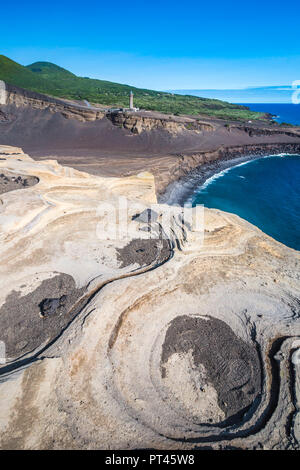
48 78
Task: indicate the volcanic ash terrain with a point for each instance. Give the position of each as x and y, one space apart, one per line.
188 339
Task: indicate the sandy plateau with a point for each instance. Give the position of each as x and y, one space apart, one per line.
130 342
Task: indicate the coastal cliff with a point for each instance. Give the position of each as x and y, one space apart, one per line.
192 169
138 123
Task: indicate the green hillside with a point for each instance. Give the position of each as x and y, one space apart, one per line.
15 74
51 79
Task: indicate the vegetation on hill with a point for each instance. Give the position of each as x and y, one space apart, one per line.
44 77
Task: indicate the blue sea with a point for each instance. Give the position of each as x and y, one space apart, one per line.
266 192
284 112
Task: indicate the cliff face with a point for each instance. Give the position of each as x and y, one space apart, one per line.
19 97
190 161
254 132
137 124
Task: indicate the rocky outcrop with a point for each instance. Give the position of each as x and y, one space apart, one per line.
264 131
188 339
137 123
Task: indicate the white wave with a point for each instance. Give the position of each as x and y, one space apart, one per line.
222 173
190 200
282 155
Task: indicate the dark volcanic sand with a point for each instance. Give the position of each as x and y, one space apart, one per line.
232 366
11 182
47 133
144 252
26 323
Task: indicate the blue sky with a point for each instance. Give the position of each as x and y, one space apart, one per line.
159 45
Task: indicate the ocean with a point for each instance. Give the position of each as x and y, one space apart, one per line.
266 192
289 113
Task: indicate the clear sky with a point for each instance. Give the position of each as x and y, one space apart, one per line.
159 44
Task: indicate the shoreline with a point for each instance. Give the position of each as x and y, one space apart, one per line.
181 191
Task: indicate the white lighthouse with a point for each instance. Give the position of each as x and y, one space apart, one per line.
131 101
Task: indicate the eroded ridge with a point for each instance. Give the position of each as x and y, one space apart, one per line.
178 342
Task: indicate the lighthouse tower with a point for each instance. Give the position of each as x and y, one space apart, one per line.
131 100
